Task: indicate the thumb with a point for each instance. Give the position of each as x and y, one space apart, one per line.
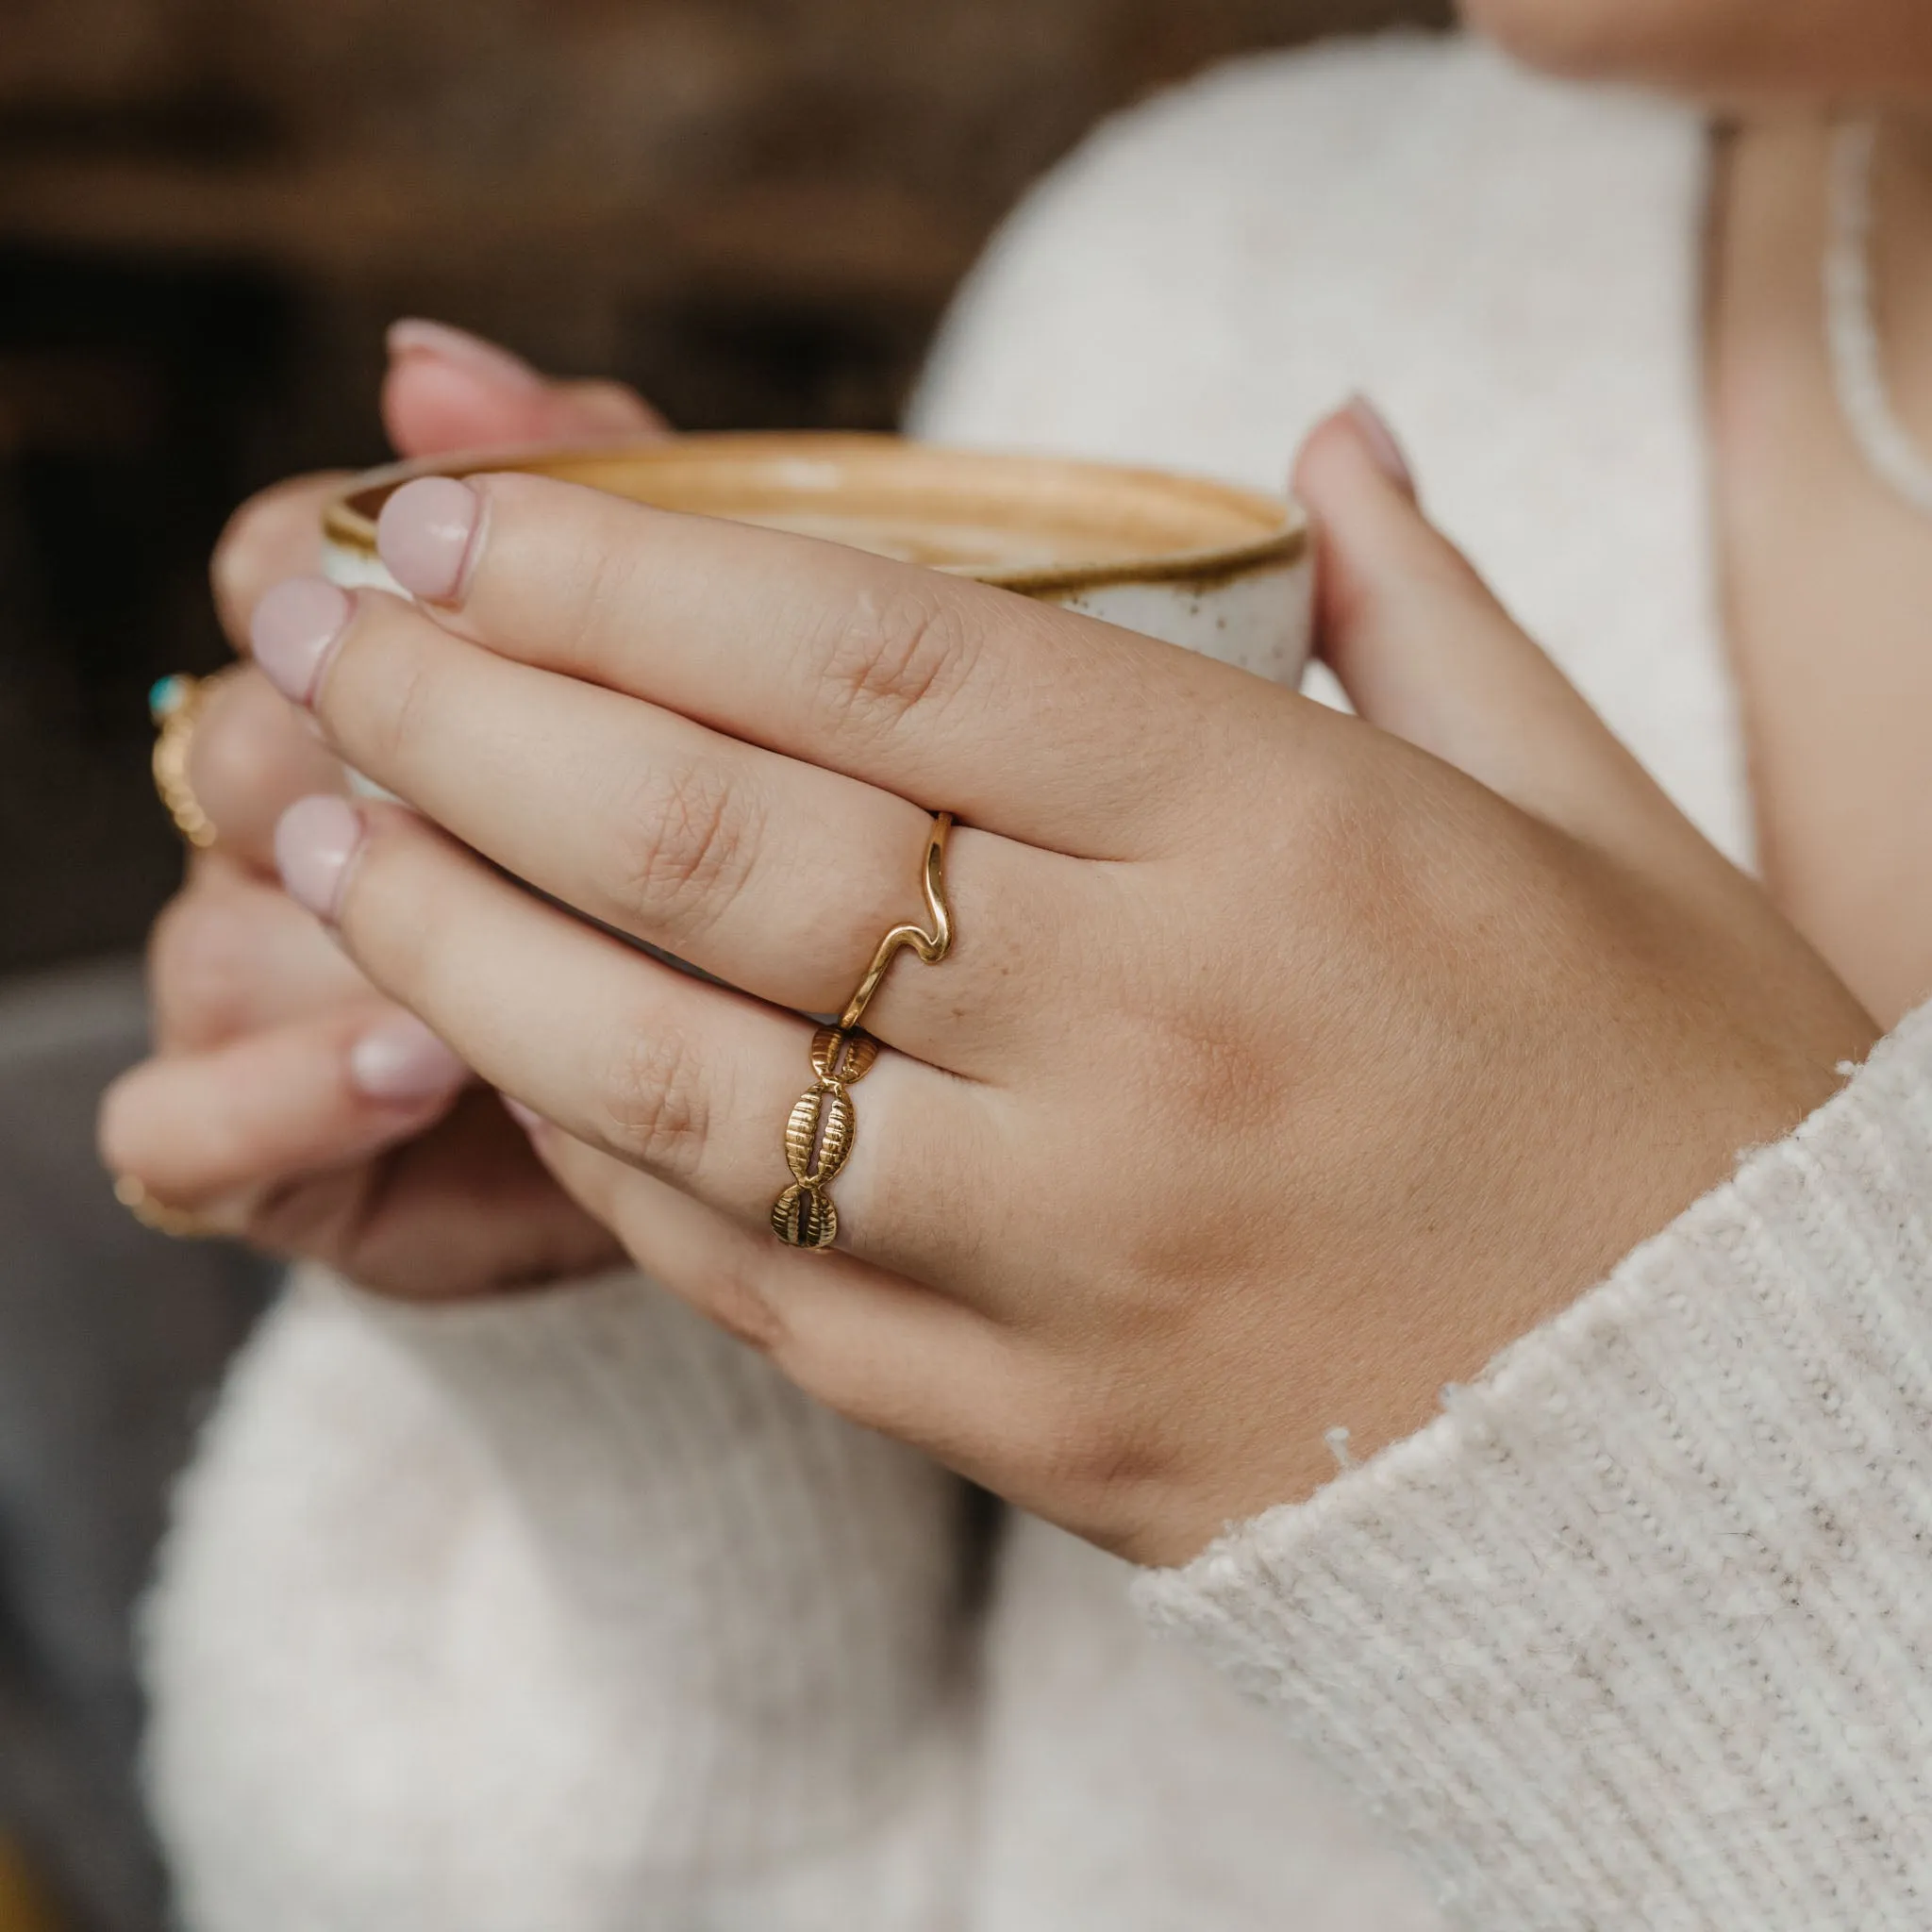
447 390
1425 652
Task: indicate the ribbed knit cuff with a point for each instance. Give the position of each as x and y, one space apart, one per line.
726 1547
1637 1633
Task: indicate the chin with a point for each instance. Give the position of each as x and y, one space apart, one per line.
1725 50
1585 39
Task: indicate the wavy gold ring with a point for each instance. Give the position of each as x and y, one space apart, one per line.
823 1127
175 704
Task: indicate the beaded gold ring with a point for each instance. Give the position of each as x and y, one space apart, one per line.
178 1224
175 705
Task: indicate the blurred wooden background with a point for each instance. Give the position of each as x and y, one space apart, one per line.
753 209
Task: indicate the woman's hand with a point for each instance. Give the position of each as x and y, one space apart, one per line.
287 1102
1285 1066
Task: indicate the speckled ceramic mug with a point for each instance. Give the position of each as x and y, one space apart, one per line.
1207 565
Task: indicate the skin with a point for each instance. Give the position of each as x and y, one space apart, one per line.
1731 52
1360 1138
1825 571
1571 1016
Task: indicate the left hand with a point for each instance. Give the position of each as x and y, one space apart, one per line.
1286 1065
286 1102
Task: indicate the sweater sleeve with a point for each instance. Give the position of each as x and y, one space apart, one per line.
1639 1631
550 1613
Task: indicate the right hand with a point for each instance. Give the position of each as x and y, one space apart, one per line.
287 1103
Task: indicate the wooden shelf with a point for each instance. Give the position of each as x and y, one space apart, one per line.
827 239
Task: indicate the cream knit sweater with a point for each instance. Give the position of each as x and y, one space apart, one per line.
565 1615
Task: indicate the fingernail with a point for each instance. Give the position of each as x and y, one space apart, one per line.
315 840
427 533
415 336
527 1118
295 628
402 1061
1382 446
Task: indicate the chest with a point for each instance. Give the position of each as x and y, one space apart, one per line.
1826 579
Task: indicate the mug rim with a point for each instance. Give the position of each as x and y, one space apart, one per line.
348 518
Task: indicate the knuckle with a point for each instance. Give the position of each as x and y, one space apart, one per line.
690 840
385 716
201 967
890 654
657 1108
1217 1078
235 767
602 599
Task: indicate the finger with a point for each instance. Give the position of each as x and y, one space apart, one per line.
253 754
447 390
734 1275
770 874
1425 651
275 534
199 1129
443 390
688 1081
233 955
460 1210
1009 712
877 1348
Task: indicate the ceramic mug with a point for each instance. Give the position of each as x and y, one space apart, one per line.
1207 565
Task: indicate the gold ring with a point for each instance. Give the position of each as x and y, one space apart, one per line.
819 1135
175 704
177 1223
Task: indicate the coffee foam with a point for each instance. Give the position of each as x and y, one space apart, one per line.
1015 520
966 547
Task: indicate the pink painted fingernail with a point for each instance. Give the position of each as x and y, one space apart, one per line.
295 629
1382 445
527 1118
416 336
315 841
427 536
402 1061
